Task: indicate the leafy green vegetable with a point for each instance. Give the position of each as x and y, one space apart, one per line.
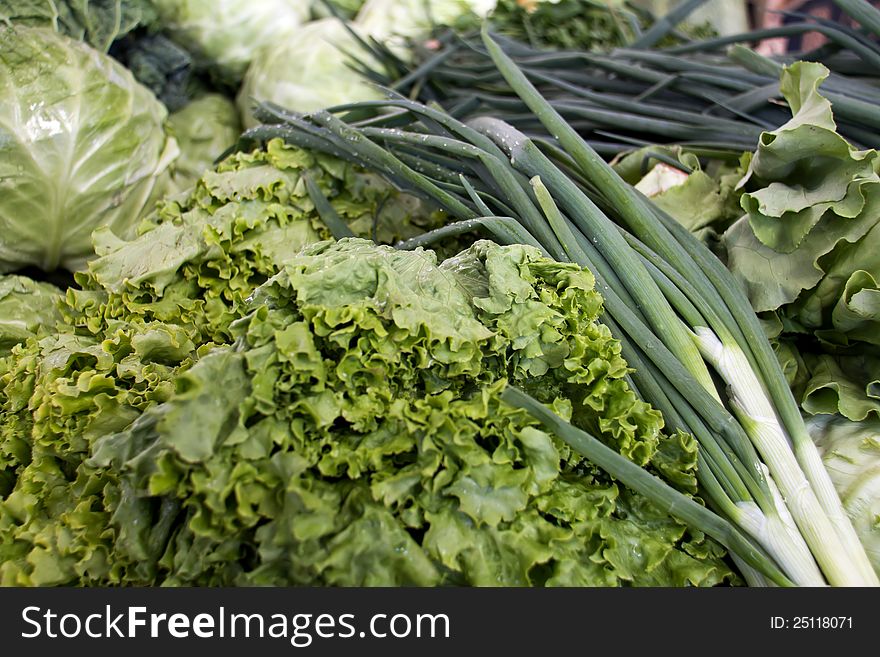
142 313
97 22
676 309
59 394
807 249
27 308
848 384
829 383
128 30
204 129
811 205
224 35
321 78
82 145
359 438
851 453
364 383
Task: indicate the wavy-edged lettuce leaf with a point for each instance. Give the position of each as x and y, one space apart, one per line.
807 251
810 234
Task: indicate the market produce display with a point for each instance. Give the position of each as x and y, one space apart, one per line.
435 293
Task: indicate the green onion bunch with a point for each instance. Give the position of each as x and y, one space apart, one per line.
714 96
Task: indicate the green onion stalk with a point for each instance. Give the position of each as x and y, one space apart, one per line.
773 528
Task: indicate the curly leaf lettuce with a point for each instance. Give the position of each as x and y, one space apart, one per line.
359 438
60 394
140 316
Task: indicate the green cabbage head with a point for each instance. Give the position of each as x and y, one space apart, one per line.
225 34
307 71
82 145
415 18
851 454
204 129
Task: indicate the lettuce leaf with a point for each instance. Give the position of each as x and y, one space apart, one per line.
807 251
141 315
808 239
28 308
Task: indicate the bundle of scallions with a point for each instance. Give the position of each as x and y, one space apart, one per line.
714 96
682 321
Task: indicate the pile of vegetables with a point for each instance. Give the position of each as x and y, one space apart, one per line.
361 408
673 305
333 458
537 324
